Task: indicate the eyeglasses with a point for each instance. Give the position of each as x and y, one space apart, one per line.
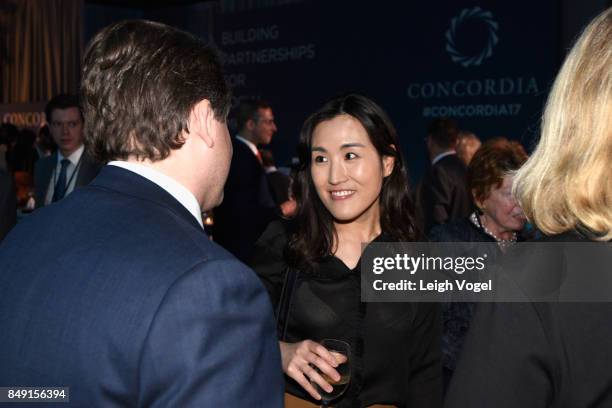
267 121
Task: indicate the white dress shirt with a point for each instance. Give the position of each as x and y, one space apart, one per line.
171 186
441 156
71 173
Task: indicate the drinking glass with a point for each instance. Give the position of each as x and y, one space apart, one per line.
335 347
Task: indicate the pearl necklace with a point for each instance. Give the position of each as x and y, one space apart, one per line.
503 243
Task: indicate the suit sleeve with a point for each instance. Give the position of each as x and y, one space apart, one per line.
212 343
441 196
506 360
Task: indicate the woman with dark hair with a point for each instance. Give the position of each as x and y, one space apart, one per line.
498 218
351 188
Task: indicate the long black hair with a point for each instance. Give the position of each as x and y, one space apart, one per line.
314 232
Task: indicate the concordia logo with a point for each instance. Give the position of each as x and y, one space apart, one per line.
465 16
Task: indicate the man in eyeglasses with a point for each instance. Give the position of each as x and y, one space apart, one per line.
248 206
70 167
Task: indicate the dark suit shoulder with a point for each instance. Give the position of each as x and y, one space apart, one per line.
450 161
450 166
243 154
89 169
219 311
245 170
122 289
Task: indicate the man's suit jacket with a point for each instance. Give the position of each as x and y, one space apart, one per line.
444 194
43 171
117 293
8 204
247 206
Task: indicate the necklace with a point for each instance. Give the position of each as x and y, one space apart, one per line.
503 243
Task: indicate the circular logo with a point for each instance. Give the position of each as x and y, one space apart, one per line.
465 16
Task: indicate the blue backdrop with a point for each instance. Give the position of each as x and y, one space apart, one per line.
487 64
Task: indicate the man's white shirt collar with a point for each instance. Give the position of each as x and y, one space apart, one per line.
173 187
74 157
249 143
270 169
441 156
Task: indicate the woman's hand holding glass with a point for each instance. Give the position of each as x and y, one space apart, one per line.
300 359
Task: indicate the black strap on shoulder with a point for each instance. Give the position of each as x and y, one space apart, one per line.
284 304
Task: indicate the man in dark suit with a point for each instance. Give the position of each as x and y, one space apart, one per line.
71 166
248 206
444 194
280 184
116 291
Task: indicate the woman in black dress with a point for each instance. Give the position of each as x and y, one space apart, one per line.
351 188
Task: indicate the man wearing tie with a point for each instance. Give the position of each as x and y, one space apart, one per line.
444 196
70 167
248 206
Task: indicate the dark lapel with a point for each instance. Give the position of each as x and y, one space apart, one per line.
88 170
244 157
129 183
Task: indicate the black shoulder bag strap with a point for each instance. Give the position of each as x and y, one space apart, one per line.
284 304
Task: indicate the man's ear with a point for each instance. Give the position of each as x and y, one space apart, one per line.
388 163
250 125
202 122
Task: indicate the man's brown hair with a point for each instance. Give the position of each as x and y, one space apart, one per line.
249 109
140 82
443 132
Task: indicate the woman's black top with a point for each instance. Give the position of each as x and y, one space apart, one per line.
395 346
535 354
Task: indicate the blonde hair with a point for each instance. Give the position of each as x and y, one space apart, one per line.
567 182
